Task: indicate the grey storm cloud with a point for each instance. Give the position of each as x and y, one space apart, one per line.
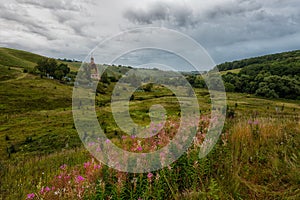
53 4
179 15
224 25
185 15
53 28
21 18
227 29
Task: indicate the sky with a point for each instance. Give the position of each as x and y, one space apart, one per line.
227 29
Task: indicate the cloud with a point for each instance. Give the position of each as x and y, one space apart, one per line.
53 4
176 14
51 28
228 29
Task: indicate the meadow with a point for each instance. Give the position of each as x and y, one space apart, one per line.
42 157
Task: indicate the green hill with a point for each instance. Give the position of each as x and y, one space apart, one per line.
285 58
23 59
271 76
38 135
18 58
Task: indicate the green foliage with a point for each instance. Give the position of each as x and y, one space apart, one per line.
229 87
272 76
148 87
213 190
264 84
49 66
38 120
268 60
105 79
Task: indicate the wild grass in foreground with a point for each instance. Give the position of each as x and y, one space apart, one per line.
254 159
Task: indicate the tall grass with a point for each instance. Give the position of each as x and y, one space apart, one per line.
254 159
20 177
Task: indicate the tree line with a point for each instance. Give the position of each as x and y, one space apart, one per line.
50 67
272 76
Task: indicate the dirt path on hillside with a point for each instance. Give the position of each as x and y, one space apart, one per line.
21 76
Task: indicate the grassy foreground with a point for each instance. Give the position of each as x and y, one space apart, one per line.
257 156
254 159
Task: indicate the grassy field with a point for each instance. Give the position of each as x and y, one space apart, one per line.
235 71
257 156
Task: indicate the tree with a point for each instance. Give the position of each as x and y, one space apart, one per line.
64 68
42 65
229 87
105 78
47 66
58 74
148 87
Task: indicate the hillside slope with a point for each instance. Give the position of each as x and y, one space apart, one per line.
18 58
271 76
23 59
279 58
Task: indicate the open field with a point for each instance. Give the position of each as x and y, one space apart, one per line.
37 128
256 157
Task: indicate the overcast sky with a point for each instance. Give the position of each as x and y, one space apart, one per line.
227 29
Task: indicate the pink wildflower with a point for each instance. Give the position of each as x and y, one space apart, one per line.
79 179
86 165
97 166
63 167
90 144
42 191
140 148
46 189
30 196
150 175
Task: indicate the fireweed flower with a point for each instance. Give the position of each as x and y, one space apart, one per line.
30 196
86 165
149 176
91 144
79 179
97 166
42 191
46 189
140 149
63 167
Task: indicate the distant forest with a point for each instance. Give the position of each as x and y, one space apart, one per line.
271 76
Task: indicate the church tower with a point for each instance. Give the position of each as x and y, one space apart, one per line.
94 69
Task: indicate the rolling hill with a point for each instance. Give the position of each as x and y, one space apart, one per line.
37 136
18 58
26 60
279 58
